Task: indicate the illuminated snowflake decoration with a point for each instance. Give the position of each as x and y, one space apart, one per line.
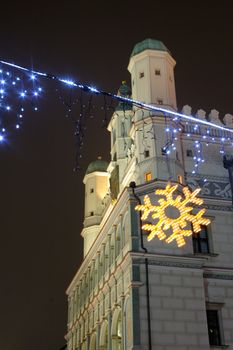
166 220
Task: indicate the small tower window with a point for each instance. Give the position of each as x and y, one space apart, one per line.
141 75
148 176
160 101
146 153
164 151
91 213
157 72
189 153
92 190
180 179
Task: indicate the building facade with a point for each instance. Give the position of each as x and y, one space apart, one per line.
133 294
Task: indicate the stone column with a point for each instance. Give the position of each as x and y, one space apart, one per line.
228 164
104 260
114 251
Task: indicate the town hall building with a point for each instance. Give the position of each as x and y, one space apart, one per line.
133 294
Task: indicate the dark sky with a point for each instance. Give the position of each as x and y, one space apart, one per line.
41 197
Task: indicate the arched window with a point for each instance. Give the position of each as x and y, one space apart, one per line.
128 325
126 230
104 336
106 264
93 342
84 346
117 338
118 241
112 249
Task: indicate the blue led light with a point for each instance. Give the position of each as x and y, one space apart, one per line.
1 138
68 82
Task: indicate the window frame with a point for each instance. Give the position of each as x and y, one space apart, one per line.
196 237
217 307
146 175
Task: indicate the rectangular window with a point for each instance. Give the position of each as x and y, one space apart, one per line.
160 101
91 213
141 75
148 177
146 153
189 153
180 179
92 190
213 327
200 241
157 72
164 151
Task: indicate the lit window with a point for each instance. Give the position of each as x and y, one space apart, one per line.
146 153
163 151
148 177
157 72
200 241
92 190
141 75
160 101
180 179
213 327
189 153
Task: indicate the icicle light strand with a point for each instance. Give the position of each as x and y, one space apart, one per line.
139 104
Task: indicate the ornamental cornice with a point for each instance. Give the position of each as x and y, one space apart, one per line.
169 260
208 177
225 208
218 276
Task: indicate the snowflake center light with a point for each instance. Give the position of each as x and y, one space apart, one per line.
172 212
172 215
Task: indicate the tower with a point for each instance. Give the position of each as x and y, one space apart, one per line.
119 127
96 188
152 73
152 77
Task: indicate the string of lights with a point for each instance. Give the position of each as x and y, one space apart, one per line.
200 131
120 98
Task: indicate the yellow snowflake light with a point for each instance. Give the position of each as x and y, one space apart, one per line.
176 224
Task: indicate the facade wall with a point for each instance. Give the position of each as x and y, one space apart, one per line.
127 285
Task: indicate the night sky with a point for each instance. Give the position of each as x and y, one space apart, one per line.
41 197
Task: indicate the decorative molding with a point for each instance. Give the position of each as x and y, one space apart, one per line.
218 276
218 207
189 265
211 188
